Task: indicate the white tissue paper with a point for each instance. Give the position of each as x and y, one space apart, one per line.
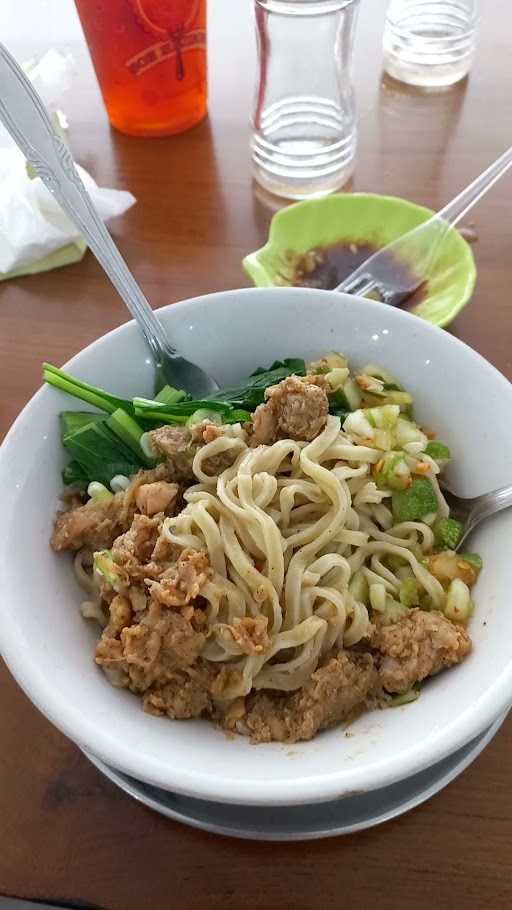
35 234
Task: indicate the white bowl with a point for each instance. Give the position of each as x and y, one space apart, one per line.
49 647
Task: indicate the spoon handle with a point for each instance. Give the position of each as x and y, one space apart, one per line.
25 117
490 503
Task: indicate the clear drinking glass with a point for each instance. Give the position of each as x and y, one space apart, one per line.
430 42
304 135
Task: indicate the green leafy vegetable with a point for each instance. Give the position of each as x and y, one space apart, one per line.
405 698
74 473
447 565
98 492
336 378
105 566
291 365
168 395
415 502
70 421
180 412
407 432
338 405
402 399
438 451
409 593
100 453
383 417
102 447
129 431
251 393
358 587
393 472
352 393
175 407
83 390
474 560
448 532
372 369
203 414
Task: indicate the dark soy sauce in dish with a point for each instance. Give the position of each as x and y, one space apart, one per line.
325 267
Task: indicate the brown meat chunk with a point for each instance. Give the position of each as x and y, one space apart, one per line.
295 409
120 616
141 645
205 432
137 597
211 432
319 380
216 464
97 524
153 475
185 695
133 549
264 426
177 445
109 653
146 639
171 440
162 642
165 552
94 525
109 650
160 496
73 499
420 644
182 582
337 688
148 650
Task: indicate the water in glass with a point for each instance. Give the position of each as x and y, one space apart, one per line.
430 42
304 124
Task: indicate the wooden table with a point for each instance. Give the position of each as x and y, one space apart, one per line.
66 833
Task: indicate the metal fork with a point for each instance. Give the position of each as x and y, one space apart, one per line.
472 511
419 248
25 117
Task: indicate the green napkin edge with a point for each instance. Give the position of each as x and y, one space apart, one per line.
65 255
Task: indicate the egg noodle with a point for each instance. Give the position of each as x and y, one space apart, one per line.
304 558
286 527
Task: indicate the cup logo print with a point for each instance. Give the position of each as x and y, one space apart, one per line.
173 24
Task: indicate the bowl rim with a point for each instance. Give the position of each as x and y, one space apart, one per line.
259 275
494 700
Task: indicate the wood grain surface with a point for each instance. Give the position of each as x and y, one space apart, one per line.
66 833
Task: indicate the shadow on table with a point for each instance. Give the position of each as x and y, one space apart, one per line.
427 119
179 224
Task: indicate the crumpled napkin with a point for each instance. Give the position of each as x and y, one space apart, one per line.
35 234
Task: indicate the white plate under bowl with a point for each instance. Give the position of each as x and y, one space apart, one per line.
50 649
311 822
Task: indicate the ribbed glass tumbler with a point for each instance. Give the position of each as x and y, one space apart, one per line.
304 123
430 42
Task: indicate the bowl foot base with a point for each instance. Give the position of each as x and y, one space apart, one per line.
314 821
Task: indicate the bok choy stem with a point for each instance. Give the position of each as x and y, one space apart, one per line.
99 398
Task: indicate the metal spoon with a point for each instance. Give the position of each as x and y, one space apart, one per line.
420 247
472 511
25 117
